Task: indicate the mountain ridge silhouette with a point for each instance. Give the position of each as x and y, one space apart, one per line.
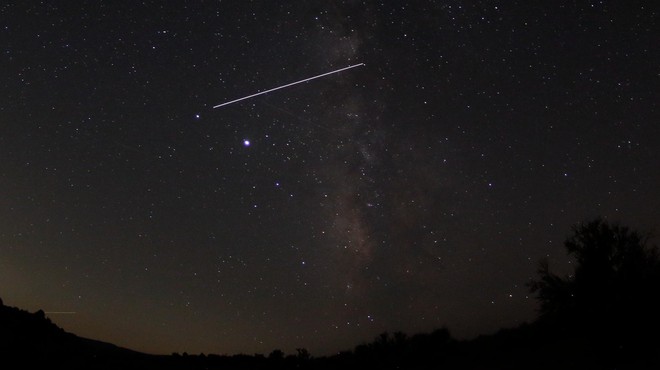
32 339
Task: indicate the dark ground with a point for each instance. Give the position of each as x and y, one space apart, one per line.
32 339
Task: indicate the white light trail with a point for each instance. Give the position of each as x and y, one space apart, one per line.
60 313
287 85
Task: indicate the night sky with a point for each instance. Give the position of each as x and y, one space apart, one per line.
415 192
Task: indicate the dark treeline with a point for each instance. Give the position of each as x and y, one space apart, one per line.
604 315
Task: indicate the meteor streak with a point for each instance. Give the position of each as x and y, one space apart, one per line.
287 85
60 313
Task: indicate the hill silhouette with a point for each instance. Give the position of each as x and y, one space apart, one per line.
603 316
33 340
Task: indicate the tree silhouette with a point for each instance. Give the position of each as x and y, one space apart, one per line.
613 294
303 354
276 355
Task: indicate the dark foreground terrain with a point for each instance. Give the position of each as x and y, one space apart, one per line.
34 341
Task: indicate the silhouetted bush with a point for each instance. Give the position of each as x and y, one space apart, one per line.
612 298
